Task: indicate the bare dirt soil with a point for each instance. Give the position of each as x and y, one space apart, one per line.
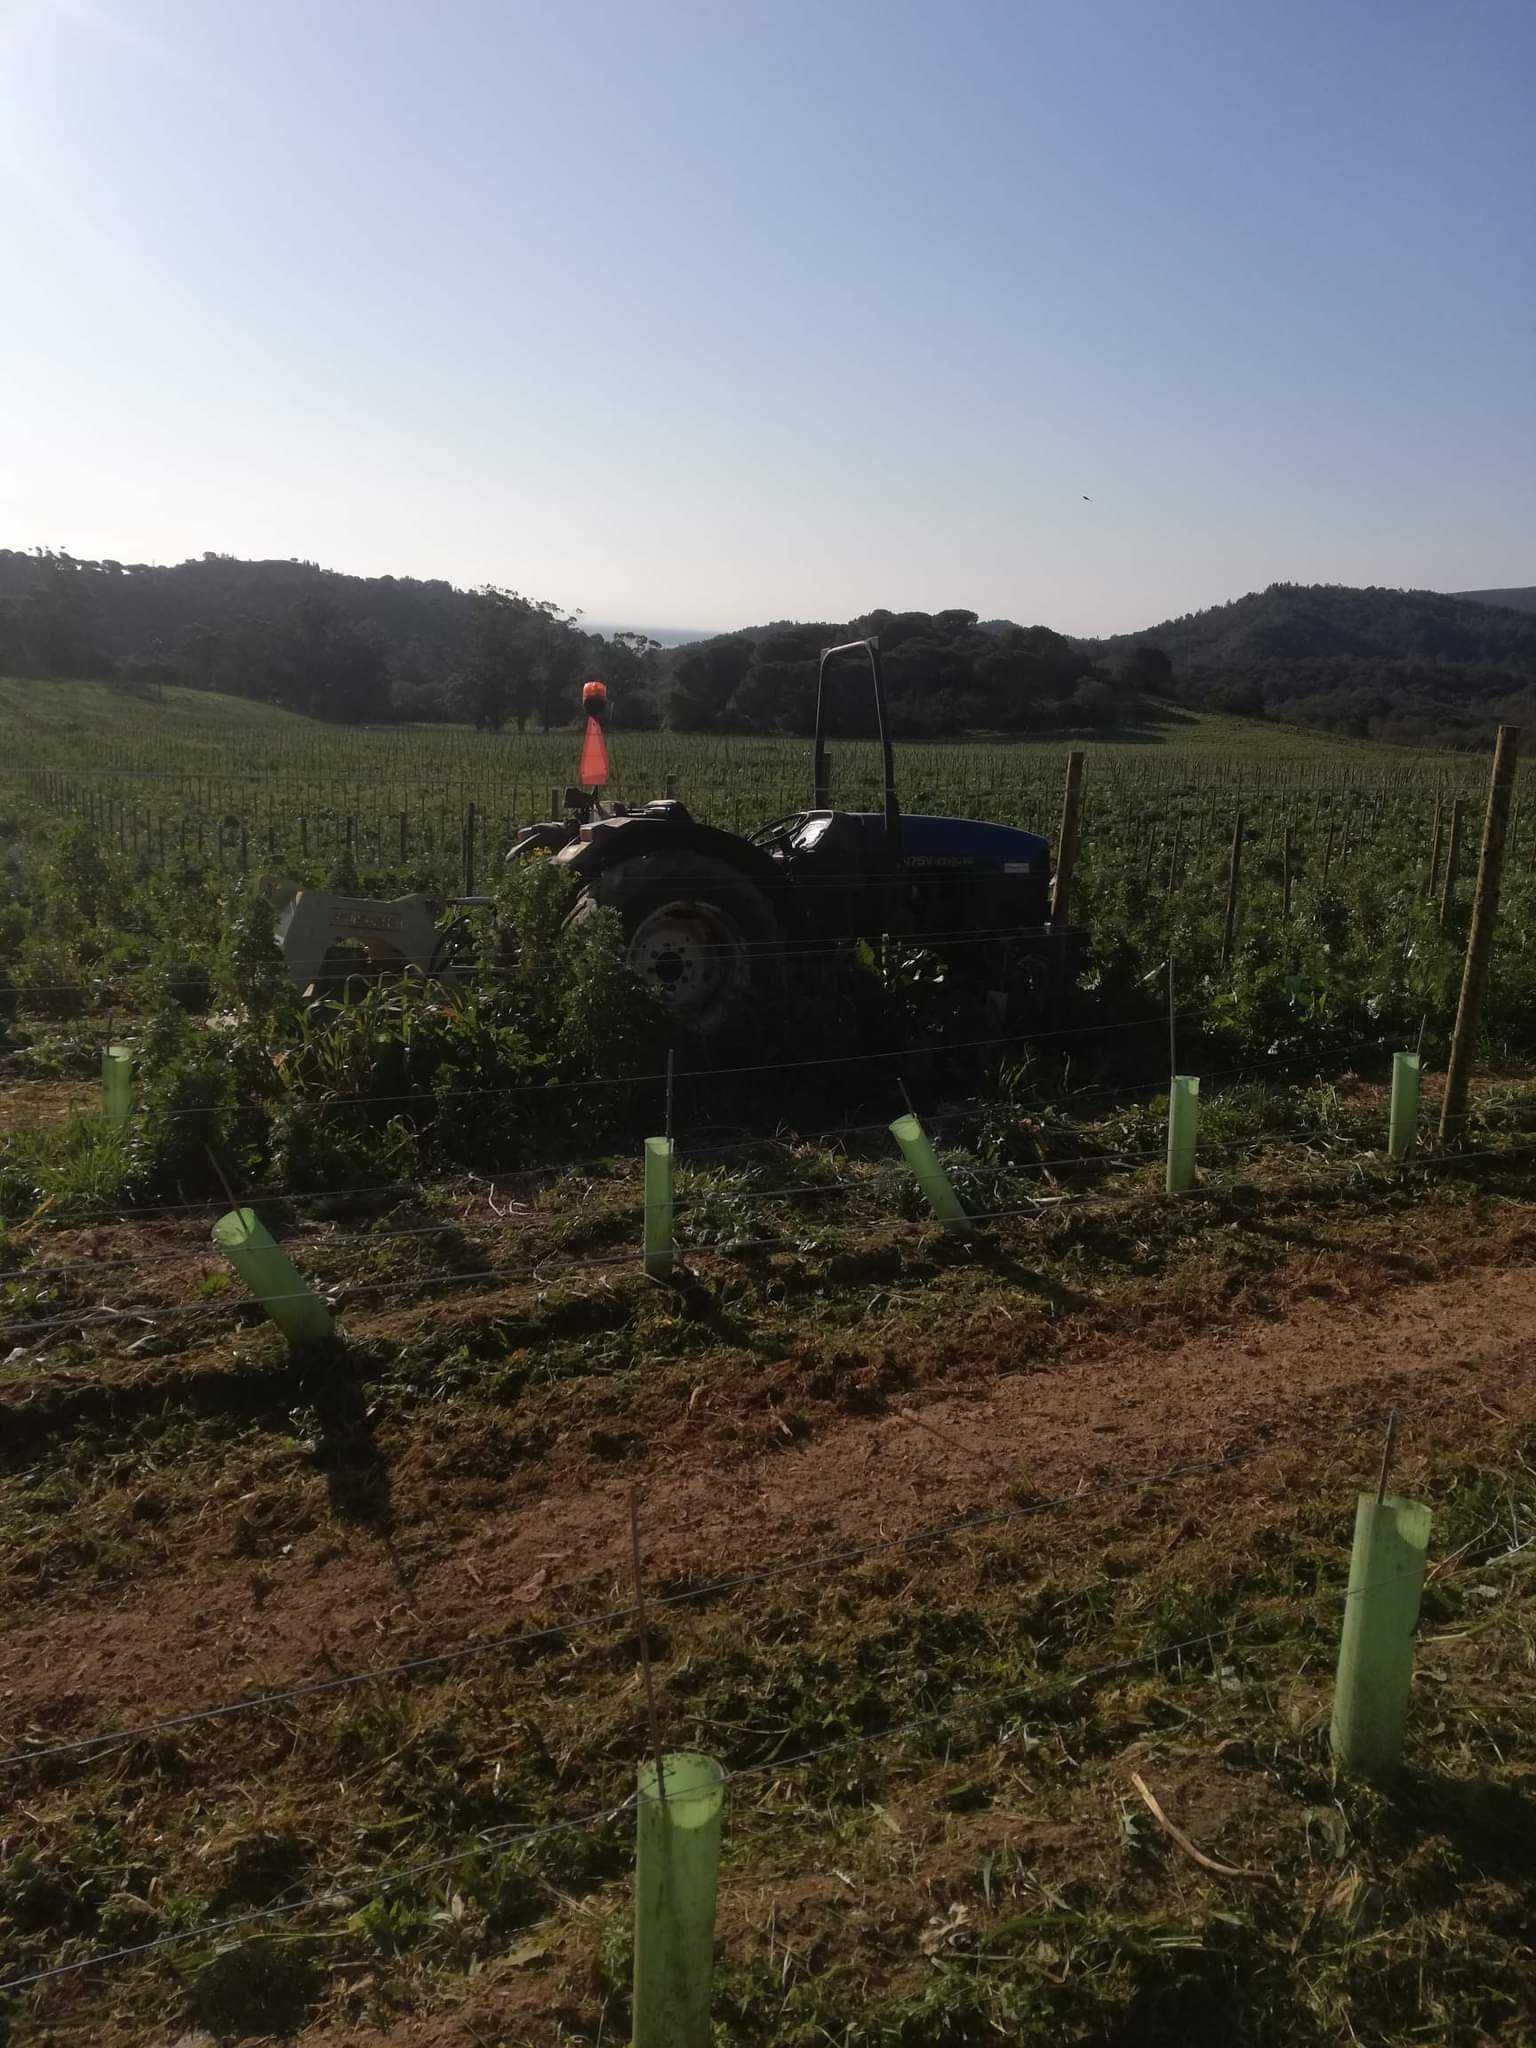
1130 1444
727 1492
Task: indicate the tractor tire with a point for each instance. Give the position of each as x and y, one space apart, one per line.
699 934
1026 996
1033 981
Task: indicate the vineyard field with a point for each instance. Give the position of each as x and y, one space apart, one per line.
183 769
323 1689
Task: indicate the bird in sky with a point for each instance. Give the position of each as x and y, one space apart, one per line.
1086 499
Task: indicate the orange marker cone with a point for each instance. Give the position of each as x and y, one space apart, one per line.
593 772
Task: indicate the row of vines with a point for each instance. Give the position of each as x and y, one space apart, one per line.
138 907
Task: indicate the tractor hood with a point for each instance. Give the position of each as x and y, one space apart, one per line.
967 843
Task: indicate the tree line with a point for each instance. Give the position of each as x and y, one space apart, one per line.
946 673
1411 665
365 649
345 648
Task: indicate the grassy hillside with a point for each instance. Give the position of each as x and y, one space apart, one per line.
1519 600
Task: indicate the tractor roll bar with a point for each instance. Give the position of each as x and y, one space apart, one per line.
821 792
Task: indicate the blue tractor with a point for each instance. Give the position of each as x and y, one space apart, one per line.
722 925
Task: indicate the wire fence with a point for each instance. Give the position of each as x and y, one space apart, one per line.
343 1891
87 1750
553 1267
1021 1107
542 1271
884 1174
89 1747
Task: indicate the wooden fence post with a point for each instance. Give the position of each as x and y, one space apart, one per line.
1066 842
1485 910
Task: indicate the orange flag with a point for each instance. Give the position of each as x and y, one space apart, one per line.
593 772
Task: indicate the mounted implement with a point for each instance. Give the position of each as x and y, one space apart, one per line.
717 922
325 938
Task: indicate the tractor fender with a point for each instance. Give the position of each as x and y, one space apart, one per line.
551 838
604 844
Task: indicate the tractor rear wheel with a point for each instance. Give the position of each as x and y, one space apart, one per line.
698 933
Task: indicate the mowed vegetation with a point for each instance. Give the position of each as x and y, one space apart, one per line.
1066 1501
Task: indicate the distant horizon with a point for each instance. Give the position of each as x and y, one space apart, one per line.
677 635
680 635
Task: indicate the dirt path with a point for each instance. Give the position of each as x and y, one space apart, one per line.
1110 1414
1109 1410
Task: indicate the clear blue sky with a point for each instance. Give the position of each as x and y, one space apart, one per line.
704 313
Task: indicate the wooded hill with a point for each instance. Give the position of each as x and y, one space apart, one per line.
1374 663
1522 599
1397 664
291 633
1377 662
369 648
